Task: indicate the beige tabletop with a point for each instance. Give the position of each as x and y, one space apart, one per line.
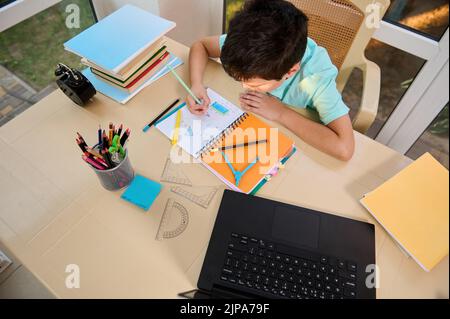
54 212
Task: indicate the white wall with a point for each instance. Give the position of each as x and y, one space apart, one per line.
194 18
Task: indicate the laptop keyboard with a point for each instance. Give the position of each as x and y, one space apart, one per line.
282 272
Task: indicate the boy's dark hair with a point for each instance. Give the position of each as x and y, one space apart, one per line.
265 39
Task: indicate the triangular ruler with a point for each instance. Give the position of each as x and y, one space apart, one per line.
200 195
173 173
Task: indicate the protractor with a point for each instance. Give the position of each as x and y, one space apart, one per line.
174 220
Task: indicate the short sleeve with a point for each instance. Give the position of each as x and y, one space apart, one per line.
328 101
320 84
222 39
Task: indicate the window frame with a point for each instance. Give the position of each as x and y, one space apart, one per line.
20 10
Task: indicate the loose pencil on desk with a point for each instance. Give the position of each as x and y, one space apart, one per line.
156 119
228 147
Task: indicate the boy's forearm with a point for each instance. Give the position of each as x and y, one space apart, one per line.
198 58
315 134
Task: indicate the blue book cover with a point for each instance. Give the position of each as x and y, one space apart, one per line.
120 95
114 41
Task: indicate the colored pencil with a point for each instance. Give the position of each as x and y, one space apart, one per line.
223 148
81 145
100 140
125 137
92 162
184 85
145 129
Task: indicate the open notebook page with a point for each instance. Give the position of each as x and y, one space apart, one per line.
197 131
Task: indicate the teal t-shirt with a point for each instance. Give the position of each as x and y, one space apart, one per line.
313 86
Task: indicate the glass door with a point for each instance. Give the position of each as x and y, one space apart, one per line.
434 140
420 121
32 34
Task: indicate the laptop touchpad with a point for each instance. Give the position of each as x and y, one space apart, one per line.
295 226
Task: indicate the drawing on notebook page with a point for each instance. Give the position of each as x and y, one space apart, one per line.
174 220
200 195
219 107
200 135
173 173
196 132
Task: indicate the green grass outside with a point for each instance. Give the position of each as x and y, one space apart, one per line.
232 6
32 48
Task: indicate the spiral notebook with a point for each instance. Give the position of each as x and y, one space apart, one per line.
223 125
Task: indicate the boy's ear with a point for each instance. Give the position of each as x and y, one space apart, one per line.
294 69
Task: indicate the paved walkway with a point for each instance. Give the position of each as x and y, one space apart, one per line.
16 95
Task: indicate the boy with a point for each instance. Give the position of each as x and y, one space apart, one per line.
267 49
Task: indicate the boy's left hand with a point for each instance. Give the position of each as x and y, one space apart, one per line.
262 104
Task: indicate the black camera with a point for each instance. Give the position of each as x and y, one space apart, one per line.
74 84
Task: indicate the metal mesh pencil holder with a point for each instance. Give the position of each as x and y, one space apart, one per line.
117 177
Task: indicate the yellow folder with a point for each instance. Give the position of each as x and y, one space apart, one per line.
413 207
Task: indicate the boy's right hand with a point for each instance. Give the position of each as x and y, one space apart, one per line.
200 92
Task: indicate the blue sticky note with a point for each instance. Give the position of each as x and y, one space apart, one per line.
142 192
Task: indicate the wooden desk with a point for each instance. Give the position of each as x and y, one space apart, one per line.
54 212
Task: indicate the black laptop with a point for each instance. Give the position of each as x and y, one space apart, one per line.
261 248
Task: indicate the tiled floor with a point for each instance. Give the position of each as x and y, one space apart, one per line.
21 284
16 95
17 282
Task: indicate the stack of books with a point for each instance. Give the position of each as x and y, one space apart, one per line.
125 52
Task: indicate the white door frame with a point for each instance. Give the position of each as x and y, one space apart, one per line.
21 10
423 113
406 40
422 102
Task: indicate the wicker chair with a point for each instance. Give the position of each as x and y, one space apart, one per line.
338 26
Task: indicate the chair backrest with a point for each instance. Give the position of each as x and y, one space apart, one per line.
333 24
338 26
